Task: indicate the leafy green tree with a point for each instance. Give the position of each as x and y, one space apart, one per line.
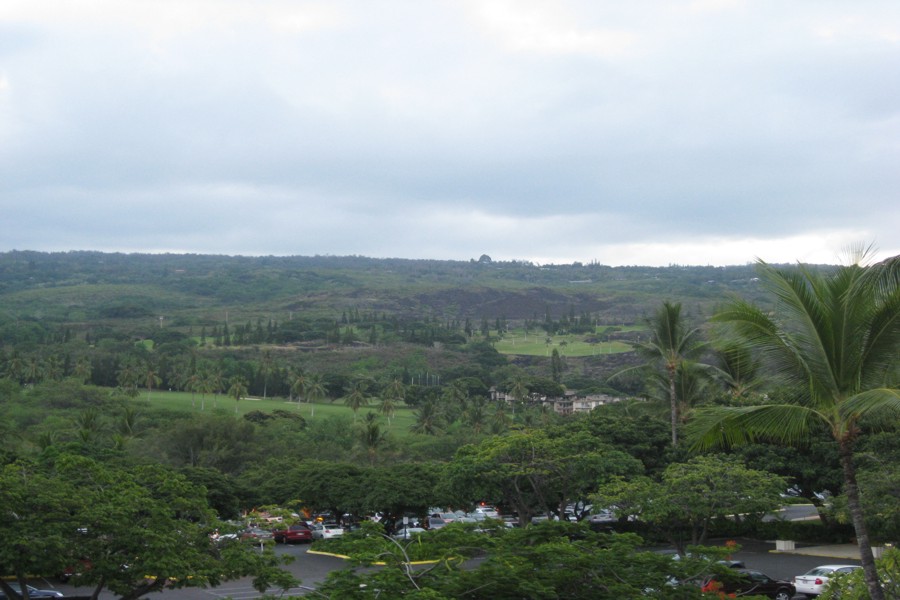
213 440
395 490
853 586
335 486
36 512
835 337
692 495
878 461
556 366
532 472
544 562
145 517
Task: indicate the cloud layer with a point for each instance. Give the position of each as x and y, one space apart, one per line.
694 132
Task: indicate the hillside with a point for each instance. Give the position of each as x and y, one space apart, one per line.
92 287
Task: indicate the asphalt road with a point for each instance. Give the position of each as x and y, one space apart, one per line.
312 569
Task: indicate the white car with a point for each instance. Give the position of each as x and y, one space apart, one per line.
326 531
814 581
488 511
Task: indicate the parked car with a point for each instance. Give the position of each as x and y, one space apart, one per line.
256 534
488 511
813 582
292 534
326 531
604 516
435 522
33 592
748 582
448 517
405 533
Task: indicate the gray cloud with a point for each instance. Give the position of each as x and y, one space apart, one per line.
654 132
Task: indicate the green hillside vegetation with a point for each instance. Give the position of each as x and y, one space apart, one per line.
353 386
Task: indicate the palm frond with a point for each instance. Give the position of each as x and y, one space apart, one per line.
732 426
878 401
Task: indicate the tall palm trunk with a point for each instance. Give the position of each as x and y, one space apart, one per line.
673 400
867 558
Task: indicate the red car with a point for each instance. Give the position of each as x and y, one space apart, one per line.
292 534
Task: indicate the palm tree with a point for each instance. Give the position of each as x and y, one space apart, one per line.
356 396
387 407
298 384
692 385
475 417
315 391
205 385
670 344
216 380
500 421
393 393
519 391
151 377
34 369
53 368
737 369
193 383
237 389
835 337
266 365
83 368
372 437
128 377
428 420
16 367
454 398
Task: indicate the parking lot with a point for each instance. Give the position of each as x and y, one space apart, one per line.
312 569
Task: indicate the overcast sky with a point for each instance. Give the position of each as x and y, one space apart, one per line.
703 132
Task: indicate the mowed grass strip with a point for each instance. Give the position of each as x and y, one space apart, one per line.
537 344
399 424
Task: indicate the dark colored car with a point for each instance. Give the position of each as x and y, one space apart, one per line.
293 534
748 582
33 592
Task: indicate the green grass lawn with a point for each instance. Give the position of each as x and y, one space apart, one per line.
184 401
535 344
